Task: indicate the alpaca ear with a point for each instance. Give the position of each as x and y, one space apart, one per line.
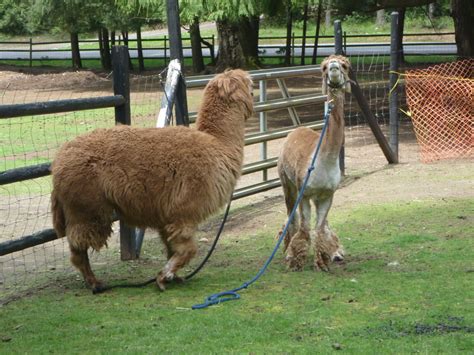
228 85
348 84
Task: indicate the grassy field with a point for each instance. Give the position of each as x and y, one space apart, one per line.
405 287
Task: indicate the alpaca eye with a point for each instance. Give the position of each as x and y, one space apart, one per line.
344 66
325 68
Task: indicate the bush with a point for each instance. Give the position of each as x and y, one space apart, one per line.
13 17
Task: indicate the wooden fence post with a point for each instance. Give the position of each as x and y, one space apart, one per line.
166 47
338 50
393 98
121 83
176 52
120 62
31 52
371 120
292 49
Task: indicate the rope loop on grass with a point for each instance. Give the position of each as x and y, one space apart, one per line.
220 297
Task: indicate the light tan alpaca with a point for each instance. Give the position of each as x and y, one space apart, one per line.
293 163
169 179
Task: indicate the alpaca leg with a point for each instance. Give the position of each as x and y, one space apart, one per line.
326 244
323 205
80 260
291 194
182 248
298 248
321 261
82 235
165 239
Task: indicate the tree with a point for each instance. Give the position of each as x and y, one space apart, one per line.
305 22
234 23
14 16
463 14
72 16
249 28
195 34
190 13
289 30
380 17
131 16
237 25
316 35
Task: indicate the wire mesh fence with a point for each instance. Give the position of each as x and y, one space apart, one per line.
441 102
25 206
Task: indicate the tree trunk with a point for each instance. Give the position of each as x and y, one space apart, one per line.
141 60
432 10
105 52
305 22
248 36
75 53
211 49
401 26
112 38
101 47
316 36
289 28
380 17
328 14
230 53
125 37
125 42
462 12
195 33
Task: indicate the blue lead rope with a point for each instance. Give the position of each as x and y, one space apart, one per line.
231 295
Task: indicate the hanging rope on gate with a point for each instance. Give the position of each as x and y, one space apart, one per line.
231 295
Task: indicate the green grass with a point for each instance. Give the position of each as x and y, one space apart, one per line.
405 287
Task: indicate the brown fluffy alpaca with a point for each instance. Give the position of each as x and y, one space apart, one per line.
169 179
295 158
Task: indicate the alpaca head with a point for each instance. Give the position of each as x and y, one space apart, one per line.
235 87
335 69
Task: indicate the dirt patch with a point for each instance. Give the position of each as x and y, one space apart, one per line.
443 325
39 80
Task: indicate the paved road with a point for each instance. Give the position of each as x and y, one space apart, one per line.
266 50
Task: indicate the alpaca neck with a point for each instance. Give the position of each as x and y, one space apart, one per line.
334 138
226 125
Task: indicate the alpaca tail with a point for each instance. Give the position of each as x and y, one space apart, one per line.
59 219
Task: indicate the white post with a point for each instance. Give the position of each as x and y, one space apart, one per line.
169 94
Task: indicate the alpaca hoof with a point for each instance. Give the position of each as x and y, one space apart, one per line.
160 284
163 279
98 287
321 268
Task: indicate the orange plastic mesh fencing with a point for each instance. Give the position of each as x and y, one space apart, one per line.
441 103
